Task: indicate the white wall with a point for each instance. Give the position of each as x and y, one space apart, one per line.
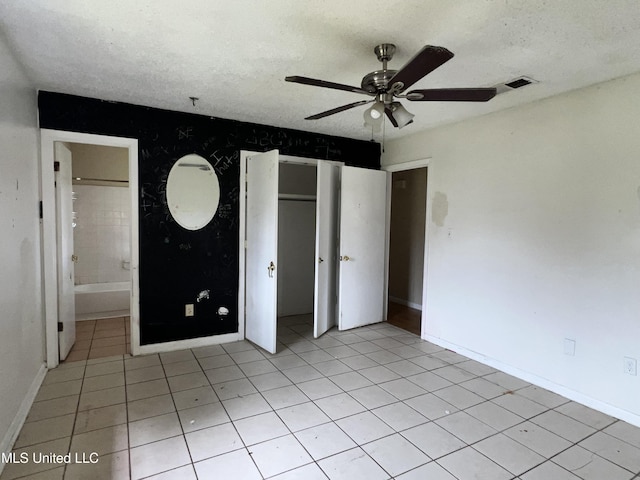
296 254
21 315
534 237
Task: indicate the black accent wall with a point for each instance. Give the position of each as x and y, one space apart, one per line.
177 264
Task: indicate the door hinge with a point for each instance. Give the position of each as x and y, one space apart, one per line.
41 208
56 166
60 327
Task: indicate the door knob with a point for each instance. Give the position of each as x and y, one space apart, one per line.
74 258
271 268
345 258
320 260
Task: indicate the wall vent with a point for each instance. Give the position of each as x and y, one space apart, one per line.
518 82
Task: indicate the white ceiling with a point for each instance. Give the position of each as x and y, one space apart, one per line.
234 54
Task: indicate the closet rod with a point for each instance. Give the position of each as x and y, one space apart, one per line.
98 180
296 197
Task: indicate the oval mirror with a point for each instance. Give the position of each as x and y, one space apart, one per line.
193 192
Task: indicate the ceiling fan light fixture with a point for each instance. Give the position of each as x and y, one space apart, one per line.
375 112
401 115
373 116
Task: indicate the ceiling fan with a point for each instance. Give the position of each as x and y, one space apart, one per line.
387 85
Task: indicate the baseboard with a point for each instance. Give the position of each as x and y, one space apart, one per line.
15 427
184 344
541 382
406 303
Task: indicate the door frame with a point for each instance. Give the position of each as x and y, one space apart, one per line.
49 243
400 167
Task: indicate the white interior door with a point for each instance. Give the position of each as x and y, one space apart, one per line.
327 214
363 210
64 234
261 282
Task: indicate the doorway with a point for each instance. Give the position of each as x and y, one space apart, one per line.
296 242
289 220
349 200
51 140
101 250
407 248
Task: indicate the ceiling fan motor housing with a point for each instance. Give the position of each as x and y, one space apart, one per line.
377 82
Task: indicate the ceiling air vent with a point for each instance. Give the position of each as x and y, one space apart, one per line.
519 82
513 84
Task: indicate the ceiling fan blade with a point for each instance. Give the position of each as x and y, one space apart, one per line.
323 83
338 110
424 62
452 95
390 117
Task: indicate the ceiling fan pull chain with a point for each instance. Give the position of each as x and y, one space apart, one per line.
384 134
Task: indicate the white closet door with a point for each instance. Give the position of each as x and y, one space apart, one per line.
363 210
327 214
64 237
261 281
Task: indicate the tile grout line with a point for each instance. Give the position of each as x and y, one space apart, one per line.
264 399
309 399
183 435
331 421
548 409
334 421
75 418
126 411
303 338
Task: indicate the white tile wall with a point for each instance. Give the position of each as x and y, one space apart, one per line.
101 236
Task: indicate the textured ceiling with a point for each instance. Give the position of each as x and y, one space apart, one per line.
234 54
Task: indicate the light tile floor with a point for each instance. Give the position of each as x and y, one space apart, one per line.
371 403
100 338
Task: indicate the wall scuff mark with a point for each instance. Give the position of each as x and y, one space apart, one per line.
439 208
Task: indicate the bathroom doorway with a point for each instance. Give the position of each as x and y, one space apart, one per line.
101 250
105 254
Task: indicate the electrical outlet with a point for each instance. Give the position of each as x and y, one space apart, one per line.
630 366
188 310
569 347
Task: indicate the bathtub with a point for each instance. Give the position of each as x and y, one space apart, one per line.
102 300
